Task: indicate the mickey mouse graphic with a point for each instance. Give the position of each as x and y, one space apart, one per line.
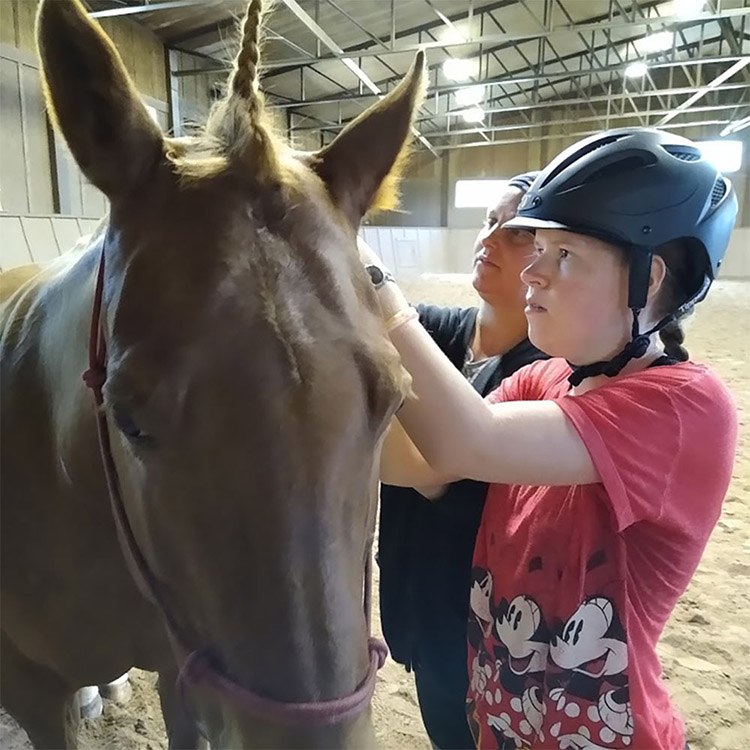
512 637
511 644
524 642
480 602
591 652
479 626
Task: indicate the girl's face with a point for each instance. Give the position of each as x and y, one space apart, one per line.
501 254
577 297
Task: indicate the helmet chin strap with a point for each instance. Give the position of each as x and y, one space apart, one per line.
638 279
635 348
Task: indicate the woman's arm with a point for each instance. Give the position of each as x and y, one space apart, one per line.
402 465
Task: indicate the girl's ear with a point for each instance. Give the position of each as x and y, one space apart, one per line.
656 276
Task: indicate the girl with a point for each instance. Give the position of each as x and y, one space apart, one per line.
608 463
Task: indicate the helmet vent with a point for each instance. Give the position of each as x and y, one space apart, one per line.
579 154
720 189
683 153
619 167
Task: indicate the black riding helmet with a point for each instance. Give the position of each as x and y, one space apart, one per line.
638 189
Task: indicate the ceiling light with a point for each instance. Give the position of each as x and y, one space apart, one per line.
636 70
685 8
655 42
470 95
456 33
457 69
473 114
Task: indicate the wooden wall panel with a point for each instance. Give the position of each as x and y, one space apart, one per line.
36 143
7 23
25 20
141 50
13 191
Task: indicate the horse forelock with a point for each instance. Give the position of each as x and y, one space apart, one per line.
239 124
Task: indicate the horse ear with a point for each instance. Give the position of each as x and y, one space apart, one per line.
89 93
362 166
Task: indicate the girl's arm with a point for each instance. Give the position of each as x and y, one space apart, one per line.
456 434
460 435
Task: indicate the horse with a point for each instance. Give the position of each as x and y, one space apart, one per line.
207 514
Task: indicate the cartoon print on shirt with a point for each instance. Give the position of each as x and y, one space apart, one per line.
579 741
524 640
480 601
592 654
482 672
520 641
565 683
521 659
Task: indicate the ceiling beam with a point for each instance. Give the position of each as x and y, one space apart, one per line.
595 117
601 99
575 136
311 24
503 41
521 78
728 32
394 35
526 37
217 28
137 10
728 73
682 63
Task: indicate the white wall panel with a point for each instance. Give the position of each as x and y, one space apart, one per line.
40 238
737 260
14 251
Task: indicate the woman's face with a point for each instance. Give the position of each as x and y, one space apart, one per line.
577 298
501 254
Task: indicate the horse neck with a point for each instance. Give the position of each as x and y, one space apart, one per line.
64 303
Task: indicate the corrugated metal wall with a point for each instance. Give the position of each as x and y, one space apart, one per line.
192 95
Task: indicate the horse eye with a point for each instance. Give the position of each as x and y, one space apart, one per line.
129 427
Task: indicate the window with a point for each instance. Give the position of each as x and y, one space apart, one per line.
726 156
477 193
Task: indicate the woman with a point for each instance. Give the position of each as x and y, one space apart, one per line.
608 463
425 548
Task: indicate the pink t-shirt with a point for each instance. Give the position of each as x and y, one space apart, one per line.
572 586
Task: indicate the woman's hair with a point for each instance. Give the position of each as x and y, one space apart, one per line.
682 278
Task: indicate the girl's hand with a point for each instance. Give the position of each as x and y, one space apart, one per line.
367 255
391 298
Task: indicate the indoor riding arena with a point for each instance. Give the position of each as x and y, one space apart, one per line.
509 85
